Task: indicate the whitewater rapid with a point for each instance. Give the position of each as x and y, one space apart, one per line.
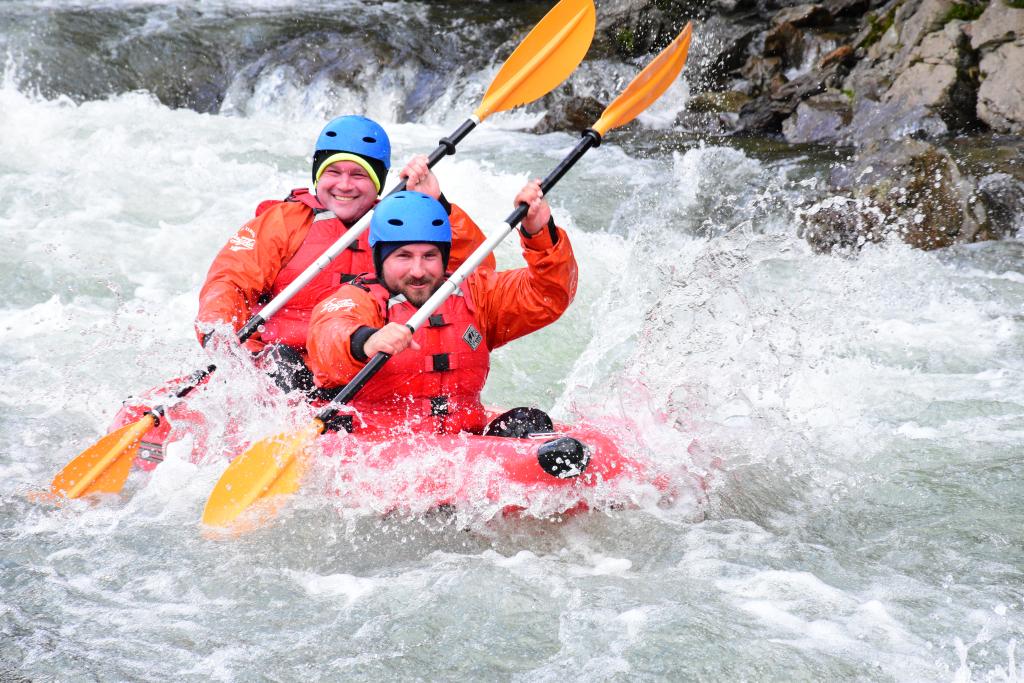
860 418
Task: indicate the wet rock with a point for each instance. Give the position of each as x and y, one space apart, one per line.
180 70
841 223
731 6
998 36
998 24
1003 197
766 113
572 114
706 123
714 113
803 16
786 42
769 8
874 121
717 102
912 191
847 8
887 40
916 63
763 116
720 51
763 74
937 79
637 27
929 16
821 118
1001 93
841 55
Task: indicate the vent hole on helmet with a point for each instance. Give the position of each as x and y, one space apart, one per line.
396 221
437 221
331 134
370 140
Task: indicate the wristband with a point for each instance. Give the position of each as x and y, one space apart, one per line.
358 340
552 231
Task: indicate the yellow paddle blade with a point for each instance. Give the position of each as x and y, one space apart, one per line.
545 58
269 467
648 85
104 466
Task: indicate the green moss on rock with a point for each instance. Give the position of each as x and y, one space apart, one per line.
879 25
964 11
717 102
626 40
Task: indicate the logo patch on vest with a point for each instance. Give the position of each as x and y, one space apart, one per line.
245 240
339 305
472 337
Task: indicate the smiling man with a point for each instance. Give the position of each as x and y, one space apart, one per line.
350 164
434 379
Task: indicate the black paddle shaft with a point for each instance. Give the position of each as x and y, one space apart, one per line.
591 138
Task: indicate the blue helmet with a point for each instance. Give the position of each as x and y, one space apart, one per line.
408 217
353 138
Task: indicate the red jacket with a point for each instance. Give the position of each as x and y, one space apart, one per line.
501 307
271 250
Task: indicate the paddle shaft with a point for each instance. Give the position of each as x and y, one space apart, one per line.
445 147
544 58
590 139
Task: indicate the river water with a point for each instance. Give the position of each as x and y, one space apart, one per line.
858 418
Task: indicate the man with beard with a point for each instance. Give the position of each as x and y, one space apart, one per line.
433 381
350 163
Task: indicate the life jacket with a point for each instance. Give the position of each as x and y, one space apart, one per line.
290 325
433 389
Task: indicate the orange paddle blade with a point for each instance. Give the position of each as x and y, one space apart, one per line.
545 58
272 466
648 85
103 467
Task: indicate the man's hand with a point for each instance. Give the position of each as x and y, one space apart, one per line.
392 339
420 178
214 335
539 214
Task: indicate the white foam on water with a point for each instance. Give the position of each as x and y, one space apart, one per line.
344 586
855 419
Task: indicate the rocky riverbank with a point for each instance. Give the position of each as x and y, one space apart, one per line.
919 104
928 95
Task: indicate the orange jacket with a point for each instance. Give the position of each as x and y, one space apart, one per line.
434 388
247 268
506 306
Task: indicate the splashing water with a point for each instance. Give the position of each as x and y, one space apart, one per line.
857 419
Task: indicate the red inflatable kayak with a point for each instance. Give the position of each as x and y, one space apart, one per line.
571 468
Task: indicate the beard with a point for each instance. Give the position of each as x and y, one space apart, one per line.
419 295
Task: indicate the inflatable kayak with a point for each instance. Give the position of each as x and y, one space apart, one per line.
571 467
